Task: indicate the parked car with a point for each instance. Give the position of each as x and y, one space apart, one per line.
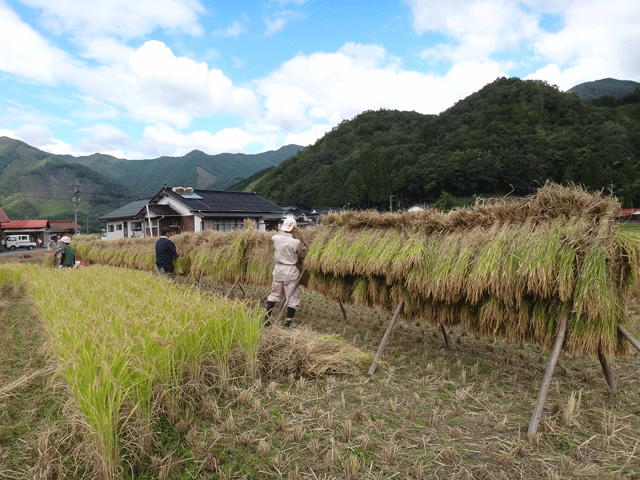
19 241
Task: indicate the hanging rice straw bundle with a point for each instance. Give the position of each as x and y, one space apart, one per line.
504 268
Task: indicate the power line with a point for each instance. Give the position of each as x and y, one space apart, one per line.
71 199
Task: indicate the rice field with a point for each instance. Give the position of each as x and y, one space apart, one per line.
128 375
428 412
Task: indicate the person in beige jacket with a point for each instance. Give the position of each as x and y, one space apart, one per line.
288 251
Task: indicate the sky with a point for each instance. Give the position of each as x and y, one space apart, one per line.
139 79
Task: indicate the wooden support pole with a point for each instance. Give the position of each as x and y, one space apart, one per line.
374 365
234 284
344 312
628 336
537 411
607 370
444 333
285 304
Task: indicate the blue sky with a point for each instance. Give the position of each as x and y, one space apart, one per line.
144 78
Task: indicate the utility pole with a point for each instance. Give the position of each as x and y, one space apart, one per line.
76 200
391 202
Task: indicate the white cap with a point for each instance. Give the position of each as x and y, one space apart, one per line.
65 239
288 224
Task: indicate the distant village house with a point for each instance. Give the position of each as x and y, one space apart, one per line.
189 210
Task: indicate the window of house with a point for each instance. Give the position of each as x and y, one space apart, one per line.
154 223
173 223
119 226
110 228
136 225
227 224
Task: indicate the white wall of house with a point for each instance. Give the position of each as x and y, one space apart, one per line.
116 229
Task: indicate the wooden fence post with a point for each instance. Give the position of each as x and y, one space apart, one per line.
537 411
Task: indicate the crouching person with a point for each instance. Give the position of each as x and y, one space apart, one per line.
67 254
288 251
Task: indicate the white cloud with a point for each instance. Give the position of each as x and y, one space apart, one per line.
171 142
594 39
156 86
331 87
103 138
307 137
122 18
41 137
95 109
597 41
277 22
23 52
234 30
478 28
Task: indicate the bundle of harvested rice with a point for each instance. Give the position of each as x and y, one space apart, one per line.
302 352
507 268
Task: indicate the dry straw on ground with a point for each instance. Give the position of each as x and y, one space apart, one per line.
507 268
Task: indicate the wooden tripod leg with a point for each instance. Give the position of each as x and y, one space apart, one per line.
444 334
607 370
628 336
234 284
344 312
374 365
537 411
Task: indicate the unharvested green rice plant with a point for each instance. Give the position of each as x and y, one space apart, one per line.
128 342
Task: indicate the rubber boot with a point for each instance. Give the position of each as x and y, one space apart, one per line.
290 313
266 321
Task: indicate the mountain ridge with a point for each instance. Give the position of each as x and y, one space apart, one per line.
38 184
507 138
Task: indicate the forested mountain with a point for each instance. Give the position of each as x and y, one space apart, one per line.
195 169
37 184
510 136
607 87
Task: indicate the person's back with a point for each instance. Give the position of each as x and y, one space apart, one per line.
68 258
165 252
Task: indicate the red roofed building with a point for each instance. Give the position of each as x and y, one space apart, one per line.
3 216
34 228
67 226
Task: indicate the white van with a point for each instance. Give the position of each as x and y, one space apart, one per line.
19 241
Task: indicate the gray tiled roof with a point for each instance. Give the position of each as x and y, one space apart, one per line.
129 210
164 210
221 201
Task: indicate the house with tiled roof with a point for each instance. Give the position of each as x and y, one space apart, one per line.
64 226
37 229
191 210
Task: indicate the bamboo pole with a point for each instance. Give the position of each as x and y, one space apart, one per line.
344 312
628 336
444 333
606 370
374 365
537 411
